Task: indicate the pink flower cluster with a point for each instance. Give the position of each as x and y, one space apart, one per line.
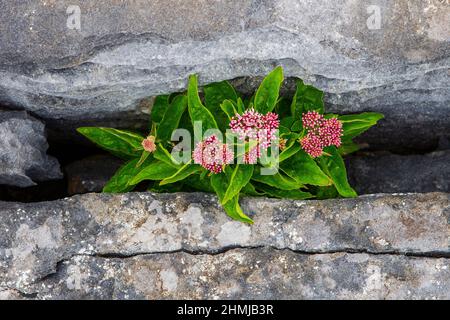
212 154
255 126
321 133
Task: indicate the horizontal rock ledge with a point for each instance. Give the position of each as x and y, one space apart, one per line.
35 237
245 274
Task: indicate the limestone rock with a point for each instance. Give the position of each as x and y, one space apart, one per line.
121 54
248 274
101 233
23 147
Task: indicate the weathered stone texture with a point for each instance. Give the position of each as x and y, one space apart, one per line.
134 49
93 238
248 274
23 147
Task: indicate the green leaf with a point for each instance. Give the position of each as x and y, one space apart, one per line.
171 119
356 124
283 107
155 171
348 147
290 151
250 190
324 193
284 194
159 108
287 122
239 178
240 106
219 183
197 111
229 108
121 143
306 98
119 182
163 155
267 95
199 184
144 156
305 170
215 95
184 172
178 187
334 166
278 180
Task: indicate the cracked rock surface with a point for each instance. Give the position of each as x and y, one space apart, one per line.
143 245
122 54
23 147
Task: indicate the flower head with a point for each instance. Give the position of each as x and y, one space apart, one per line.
321 133
149 144
212 155
312 120
330 132
253 125
312 145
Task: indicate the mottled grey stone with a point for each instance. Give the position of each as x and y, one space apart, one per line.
247 274
23 146
36 238
126 52
388 173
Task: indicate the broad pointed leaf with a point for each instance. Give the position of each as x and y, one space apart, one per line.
306 98
335 168
120 181
121 143
172 118
159 108
184 172
305 170
155 171
240 176
197 111
219 183
268 92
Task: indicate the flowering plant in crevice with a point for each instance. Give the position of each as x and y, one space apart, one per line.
264 145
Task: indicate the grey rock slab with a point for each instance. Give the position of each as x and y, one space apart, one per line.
36 237
123 53
384 172
248 274
23 147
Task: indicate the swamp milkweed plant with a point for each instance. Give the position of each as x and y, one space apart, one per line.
263 145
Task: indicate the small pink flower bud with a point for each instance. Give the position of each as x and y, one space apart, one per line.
149 144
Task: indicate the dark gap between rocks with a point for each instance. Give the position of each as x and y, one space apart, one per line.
87 169
375 169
